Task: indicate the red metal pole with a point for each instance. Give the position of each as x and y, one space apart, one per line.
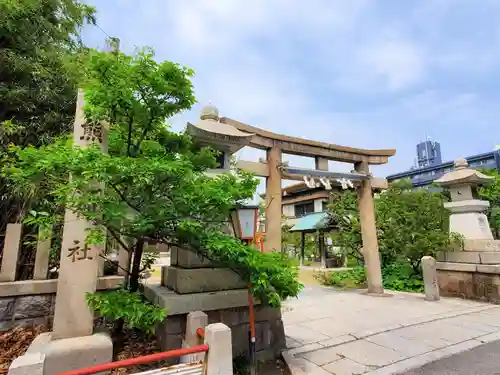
138 361
251 318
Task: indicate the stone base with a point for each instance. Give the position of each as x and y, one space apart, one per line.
228 307
200 280
183 258
51 357
469 285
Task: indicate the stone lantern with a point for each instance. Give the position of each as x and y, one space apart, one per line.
473 271
209 131
467 210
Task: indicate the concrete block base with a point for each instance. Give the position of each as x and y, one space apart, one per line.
58 356
200 280
183 258
28 364
469 285
228 307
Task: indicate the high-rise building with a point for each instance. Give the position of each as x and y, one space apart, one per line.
428 154
429 165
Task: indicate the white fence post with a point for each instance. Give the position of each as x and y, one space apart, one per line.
194 320
42 253
10 255
220 351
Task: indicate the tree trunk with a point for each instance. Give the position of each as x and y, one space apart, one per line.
136 266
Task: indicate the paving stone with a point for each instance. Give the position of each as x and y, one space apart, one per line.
395 331
495 336
368 353
407 364
337 341
461 347
465 321
485 318
437 334
301 366
305 349
405 346
327 326
303 334
450 333
323 356
345 366
291 343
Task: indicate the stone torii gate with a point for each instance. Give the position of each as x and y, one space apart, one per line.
229 136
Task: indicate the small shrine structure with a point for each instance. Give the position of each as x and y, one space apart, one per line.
473 270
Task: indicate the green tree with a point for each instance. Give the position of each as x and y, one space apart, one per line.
39 49
410 224
151 185
491 193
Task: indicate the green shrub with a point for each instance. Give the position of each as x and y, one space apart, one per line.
398 276
122 305
349 279
402 277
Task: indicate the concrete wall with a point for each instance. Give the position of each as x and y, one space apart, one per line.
31 302
270 335
469 285
26 310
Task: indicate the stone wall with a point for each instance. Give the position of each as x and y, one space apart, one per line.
469 285
270 335
26 310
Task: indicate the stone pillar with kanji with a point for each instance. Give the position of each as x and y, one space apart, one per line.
79 263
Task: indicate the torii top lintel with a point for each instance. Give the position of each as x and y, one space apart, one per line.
263 139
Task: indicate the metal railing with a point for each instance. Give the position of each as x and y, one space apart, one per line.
147 359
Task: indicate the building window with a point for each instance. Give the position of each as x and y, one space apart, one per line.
325 206
304 208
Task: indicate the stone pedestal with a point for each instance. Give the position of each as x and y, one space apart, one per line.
228 307
468 218
472 273
191 273
192 284
46 356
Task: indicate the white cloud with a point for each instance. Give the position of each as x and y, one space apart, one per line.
398 64
361 73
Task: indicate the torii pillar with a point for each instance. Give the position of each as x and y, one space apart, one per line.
369 232
273 201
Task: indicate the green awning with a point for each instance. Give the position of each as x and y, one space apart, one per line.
311 222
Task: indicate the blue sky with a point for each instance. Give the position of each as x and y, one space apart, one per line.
361 73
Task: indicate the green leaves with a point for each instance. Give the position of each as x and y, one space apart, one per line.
131 307
151 185
491 193
272 276
410 224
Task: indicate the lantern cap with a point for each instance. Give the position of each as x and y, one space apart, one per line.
210 131
464 175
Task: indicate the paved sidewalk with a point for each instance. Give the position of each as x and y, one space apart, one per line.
344 333
483 360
